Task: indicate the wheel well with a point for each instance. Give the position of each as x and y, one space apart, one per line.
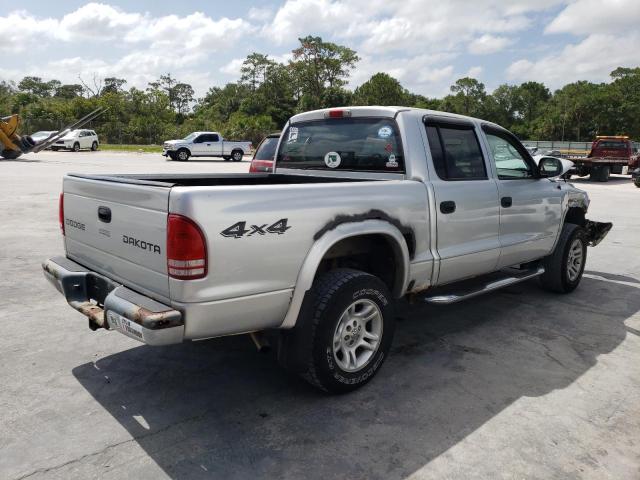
575 215
376 254
184 148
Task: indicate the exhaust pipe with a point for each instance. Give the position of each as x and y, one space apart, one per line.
261 342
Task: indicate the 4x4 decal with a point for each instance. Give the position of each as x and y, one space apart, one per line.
239 229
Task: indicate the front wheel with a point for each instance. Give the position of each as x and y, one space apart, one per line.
349 330
564 267
94 146
76 147
636 182
182 155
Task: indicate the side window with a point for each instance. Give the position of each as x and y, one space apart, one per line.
510 161
214 138
456 153
199 139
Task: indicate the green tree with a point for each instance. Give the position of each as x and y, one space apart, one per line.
254 70
468 97
318 66
380 89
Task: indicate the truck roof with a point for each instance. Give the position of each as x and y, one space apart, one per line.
377 111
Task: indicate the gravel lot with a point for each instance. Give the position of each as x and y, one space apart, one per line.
518 384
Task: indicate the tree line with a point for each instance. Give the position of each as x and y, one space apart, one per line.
269 92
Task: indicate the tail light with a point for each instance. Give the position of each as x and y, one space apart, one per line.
186 249
261 166
61 212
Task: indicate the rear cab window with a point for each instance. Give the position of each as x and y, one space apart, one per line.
267 149
365 144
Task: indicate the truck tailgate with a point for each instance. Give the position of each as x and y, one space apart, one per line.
119 230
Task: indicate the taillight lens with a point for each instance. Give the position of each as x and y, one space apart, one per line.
261 166
186 249
61 212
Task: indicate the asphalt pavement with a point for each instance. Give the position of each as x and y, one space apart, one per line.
517 384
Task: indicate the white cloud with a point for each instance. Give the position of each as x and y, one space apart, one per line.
474 72
487 44
591 59
19 30
258 14
233 67
596 16
407 25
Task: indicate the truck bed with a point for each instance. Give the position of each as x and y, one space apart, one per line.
209 180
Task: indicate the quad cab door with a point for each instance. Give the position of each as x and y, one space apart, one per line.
530 206
466 200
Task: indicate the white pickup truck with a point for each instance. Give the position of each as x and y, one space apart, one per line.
205 144
365 205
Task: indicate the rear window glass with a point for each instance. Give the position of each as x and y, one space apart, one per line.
267 149
611 144
361 144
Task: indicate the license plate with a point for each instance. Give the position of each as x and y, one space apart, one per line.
124 325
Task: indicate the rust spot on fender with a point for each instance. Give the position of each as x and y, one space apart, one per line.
373 214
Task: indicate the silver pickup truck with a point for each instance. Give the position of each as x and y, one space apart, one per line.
205 144
366 205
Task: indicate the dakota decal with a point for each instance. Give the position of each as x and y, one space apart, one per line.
141 244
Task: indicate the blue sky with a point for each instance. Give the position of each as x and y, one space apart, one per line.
426 44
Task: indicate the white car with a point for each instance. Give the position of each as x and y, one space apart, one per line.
205 144
76 140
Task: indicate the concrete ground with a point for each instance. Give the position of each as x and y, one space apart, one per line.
517 384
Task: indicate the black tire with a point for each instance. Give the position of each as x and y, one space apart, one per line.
601 173
557 276
636 182
331 295
226 158
94 146
76 147
237 155
171 156
55 149
182 155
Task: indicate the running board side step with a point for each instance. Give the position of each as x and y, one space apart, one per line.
481 285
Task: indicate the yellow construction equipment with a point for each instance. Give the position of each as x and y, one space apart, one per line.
13 145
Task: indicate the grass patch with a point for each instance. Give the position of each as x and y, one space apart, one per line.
131 148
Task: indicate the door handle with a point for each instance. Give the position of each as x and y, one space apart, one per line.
506 202
448 207
104 214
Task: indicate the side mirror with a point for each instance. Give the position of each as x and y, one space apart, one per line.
550 167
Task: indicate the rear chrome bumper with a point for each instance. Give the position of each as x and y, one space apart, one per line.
110 305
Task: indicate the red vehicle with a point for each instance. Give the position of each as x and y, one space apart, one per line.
262 161
609 154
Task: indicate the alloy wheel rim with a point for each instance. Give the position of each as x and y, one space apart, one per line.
237 156
357 336
574 260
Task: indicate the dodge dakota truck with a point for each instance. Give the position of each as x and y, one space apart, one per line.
365 205
205 144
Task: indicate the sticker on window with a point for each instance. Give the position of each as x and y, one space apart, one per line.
385 132
392 163
332 159
293 134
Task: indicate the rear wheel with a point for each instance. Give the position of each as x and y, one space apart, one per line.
182 155
94 146
237 155
76 147
636 182
564 267
346 331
